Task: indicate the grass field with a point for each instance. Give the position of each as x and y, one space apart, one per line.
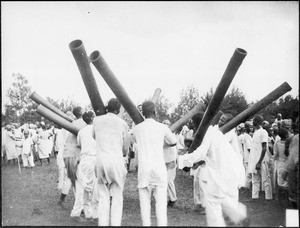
30 199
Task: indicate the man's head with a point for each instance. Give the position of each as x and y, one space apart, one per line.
265 125
88 117
257 121
225 118
77 111
279 116
26 133
248 127
283 133
148 109
196 120
113 106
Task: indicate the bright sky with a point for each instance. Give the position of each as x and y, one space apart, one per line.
149 45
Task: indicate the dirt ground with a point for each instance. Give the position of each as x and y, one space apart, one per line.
30 199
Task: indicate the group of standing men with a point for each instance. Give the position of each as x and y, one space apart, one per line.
93 162
27 143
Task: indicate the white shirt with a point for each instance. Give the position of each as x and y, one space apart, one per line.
247 142
86 141
27 145
111 134
233 140
150 136
223 171
112 139
259 136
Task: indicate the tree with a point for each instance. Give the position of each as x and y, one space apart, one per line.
19 102
287 105
162 107
189 97
234 102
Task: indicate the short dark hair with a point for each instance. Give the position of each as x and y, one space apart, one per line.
148 108
283 133
88 117
257 120
77 111
113 105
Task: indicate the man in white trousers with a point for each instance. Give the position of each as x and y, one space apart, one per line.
220 177
112 144
259 161
27 144
150 136
71 156
86 170
170 156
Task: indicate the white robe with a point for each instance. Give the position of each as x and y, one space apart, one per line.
10 147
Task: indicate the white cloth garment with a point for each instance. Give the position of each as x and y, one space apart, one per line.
27 155
85 172
11 152
112 141
170 156
220 177
150 136
260 136
18 141
44 144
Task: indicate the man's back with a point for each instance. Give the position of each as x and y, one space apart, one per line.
110 132
150 136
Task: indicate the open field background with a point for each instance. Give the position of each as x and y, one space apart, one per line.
30 199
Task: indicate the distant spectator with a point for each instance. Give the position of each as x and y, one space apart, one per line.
27 144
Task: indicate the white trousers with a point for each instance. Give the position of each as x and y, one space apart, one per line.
248 176
171 191
262 176
65 181
198 192
83 200
113 212
160 194
215 206
28 160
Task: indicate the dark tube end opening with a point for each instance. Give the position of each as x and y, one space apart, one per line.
94 56
241 51
75 44
288 87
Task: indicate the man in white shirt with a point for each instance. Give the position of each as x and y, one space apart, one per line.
71 156
220 177
150 136
247 142
258 161
112 144
85 171
27 144
170 156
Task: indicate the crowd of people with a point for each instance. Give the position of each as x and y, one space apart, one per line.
255 156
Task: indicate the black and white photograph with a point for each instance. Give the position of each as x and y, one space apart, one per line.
150 113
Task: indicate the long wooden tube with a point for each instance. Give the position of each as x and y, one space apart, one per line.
39 100
85 69
243 116
156 95
114 84
185 119
233 66
52 116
